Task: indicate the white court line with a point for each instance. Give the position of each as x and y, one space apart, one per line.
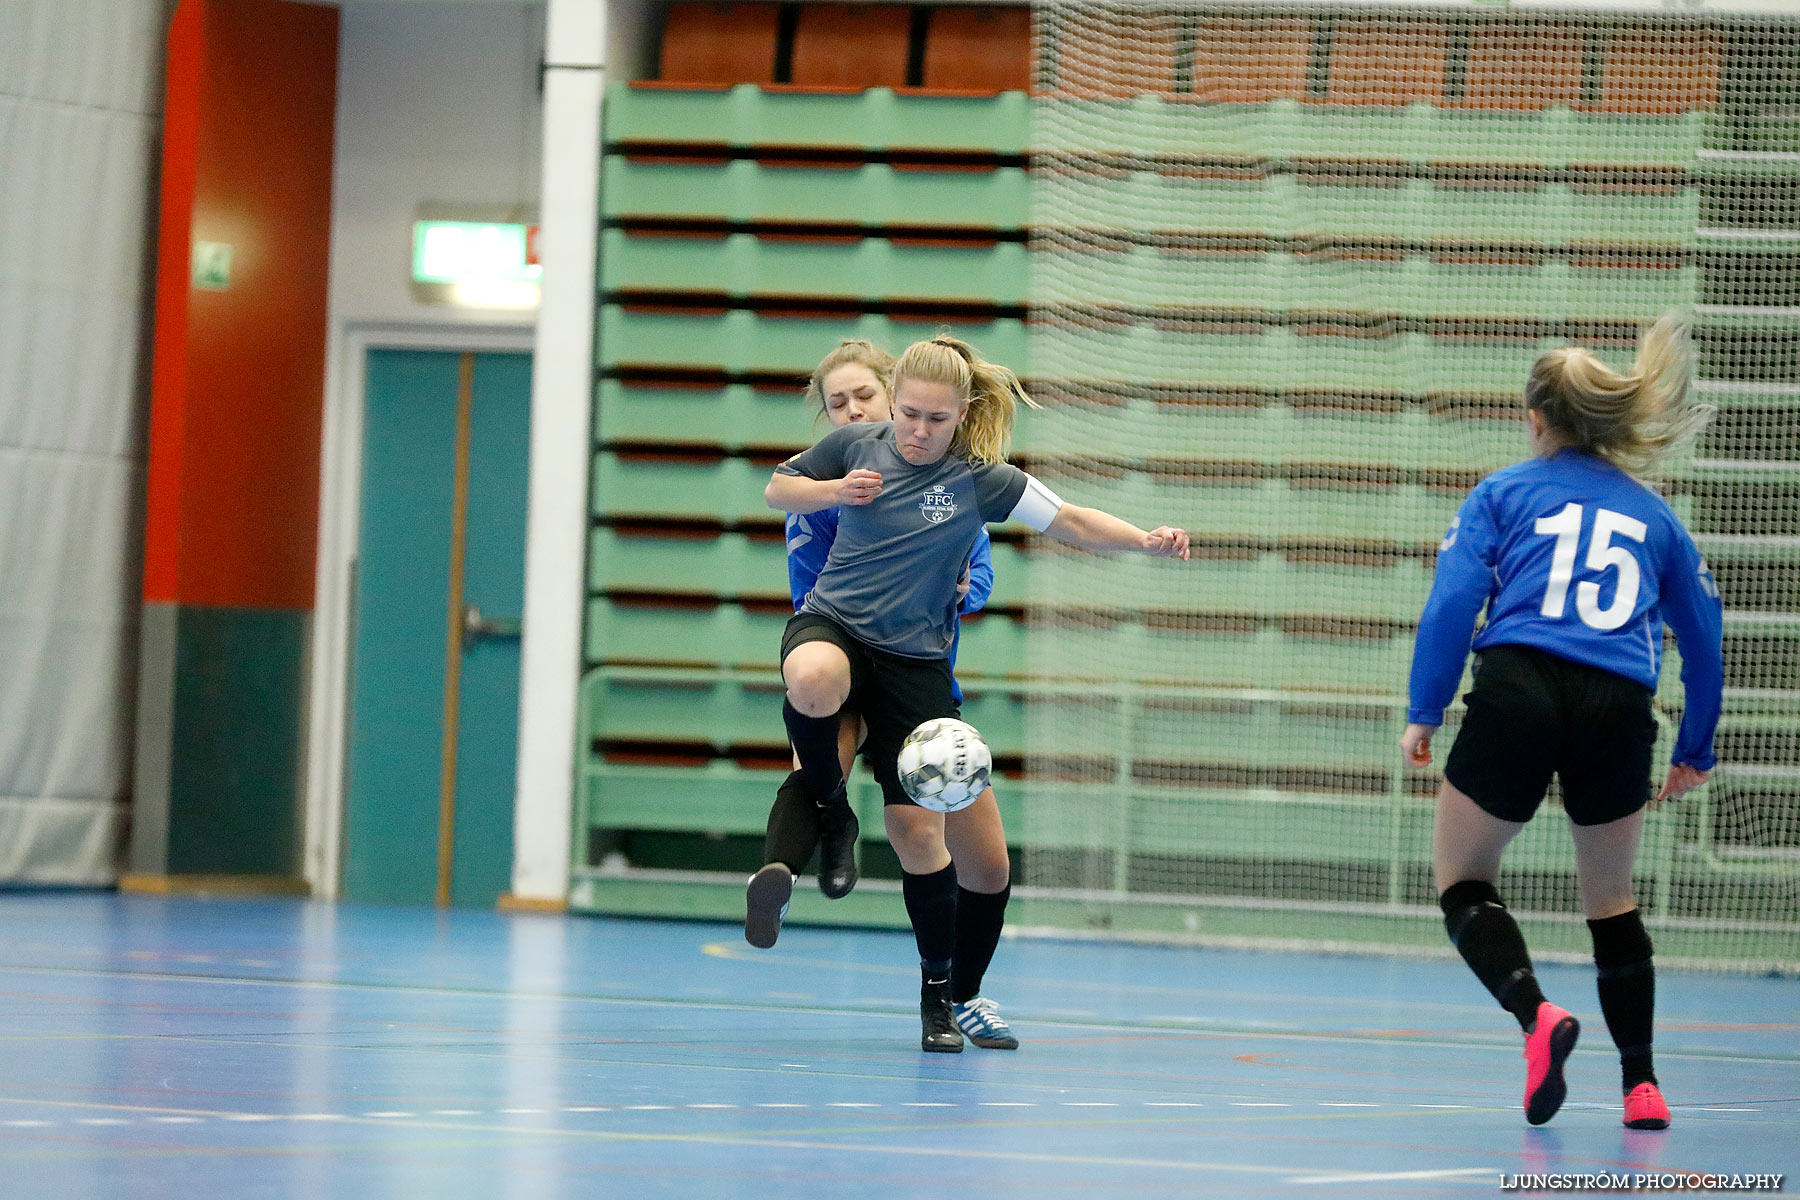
1379 1176
249 1117
1257 1031
709 1106
26 1124
587 1108
390 1114
175 1120
1720 1109
851 1104
781 1104
523 1112
1172 1104
1345 1104
925 1104
646 1108
101 1121
1008 1104
454 1112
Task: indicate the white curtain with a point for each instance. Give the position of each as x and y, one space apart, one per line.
80 116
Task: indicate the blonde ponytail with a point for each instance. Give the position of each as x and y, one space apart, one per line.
1633 420
994 393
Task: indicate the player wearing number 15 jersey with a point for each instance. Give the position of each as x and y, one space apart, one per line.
1578 566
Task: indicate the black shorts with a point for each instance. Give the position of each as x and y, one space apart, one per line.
895 694
1531 715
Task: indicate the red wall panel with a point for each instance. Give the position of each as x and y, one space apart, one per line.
238 380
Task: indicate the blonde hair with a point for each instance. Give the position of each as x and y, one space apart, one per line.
993 393
1633 420
850 350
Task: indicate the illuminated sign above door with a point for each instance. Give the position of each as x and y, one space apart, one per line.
475 264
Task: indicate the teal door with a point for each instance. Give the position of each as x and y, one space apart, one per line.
440 585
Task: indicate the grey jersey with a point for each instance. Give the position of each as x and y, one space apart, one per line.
892 574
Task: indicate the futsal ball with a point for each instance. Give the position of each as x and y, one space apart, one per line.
944 765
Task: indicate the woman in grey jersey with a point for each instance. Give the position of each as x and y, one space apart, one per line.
877 627
850 384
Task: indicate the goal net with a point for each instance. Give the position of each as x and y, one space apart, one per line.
1290 269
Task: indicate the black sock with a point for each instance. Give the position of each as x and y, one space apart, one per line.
931 906
815 742
979 918
1485 934
1627 985
793 830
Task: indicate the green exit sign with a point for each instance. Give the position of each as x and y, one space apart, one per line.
479 264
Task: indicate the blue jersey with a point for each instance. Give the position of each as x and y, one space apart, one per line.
809 540
1574 557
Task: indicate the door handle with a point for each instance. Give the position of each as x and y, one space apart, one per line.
476 626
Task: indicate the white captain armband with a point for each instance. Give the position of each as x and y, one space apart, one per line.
1037 507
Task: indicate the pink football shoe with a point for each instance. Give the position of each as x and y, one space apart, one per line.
1546 1046
1645 1108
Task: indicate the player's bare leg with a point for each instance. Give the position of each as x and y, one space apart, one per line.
1604 855
1466 846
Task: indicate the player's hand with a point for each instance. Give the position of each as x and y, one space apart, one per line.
1415 744
1165 542
1682 780
859 487
962 586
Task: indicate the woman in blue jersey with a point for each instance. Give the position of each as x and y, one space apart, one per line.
1578 566
877 628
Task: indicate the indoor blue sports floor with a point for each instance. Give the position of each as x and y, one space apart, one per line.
234 1049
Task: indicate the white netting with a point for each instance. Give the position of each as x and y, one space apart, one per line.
1290 269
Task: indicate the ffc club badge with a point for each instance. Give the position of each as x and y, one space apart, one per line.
937 504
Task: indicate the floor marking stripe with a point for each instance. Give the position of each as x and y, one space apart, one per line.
942 1152
1380 1176
879 1008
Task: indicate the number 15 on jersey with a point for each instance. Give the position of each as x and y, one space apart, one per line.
1602 555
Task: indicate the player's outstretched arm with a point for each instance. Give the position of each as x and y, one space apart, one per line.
1092 529
801 495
